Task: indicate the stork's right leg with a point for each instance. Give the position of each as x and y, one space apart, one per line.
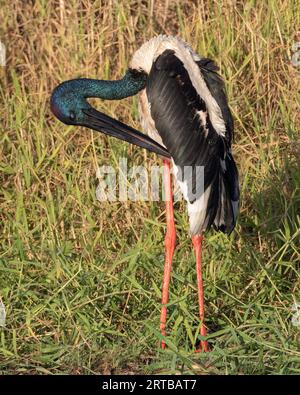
169 246
197 242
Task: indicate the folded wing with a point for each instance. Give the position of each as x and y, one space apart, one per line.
204 167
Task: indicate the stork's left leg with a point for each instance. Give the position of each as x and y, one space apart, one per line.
169 247
197 242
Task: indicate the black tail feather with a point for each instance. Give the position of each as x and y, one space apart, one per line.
229 194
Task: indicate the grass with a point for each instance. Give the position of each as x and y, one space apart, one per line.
80 278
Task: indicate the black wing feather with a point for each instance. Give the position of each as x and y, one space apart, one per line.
216 86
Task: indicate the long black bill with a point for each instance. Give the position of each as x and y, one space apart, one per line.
101 122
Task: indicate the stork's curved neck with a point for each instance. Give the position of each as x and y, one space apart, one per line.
129 85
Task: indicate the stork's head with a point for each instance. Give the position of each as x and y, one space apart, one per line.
68 102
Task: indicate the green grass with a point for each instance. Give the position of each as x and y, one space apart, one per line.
80 278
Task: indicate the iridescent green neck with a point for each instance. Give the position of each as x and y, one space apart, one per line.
129 85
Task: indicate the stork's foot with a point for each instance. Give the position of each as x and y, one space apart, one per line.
202 346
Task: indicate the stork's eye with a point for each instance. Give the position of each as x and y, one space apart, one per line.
72 115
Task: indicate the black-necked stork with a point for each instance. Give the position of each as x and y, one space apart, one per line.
184 109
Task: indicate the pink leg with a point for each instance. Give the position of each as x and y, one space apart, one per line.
197 242
169 247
